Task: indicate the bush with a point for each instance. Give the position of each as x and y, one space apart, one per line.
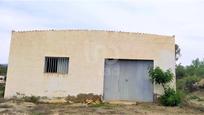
188 84
170 98
2 89
180 71
3 69
159 76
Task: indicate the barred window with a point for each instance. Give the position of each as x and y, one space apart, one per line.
56 65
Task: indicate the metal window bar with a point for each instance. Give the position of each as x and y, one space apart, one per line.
59 66
56 65
62 66
48 65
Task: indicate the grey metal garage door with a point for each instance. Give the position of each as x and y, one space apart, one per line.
128 80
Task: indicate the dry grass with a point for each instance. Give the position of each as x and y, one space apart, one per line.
21 107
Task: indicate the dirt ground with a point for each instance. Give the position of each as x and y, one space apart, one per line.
8 107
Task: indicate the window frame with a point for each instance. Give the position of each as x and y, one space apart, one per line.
57 58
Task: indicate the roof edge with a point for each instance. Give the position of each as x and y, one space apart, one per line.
47 30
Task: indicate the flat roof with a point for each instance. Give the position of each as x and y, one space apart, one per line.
87 30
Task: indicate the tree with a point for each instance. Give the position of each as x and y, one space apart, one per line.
177 52
159 76
170 96
180 71
3 69
196 68
196 63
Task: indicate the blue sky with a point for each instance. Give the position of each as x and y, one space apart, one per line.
182 18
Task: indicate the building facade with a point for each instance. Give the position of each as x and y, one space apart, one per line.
57 63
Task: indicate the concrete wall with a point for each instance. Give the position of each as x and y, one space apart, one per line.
87 51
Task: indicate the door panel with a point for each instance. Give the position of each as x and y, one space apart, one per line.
128 80
112 73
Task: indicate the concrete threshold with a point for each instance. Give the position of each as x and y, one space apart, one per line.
124 102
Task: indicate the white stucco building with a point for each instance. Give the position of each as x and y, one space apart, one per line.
57 63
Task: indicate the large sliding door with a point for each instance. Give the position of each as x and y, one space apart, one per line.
128 80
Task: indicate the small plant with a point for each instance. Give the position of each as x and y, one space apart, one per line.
188 84
102 105
170 96
191 83
158 76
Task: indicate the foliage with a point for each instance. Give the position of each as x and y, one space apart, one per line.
180 71
23 97
187 84
34 99
189 76
170 98
3 69
182 94
194 97
190 83
196 68
2 88
160 77
103 105
177 51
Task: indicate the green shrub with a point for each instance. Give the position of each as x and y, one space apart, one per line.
3 69
180 85
159 76
182 94
2 89
180 71
190 83
170 98
187 84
